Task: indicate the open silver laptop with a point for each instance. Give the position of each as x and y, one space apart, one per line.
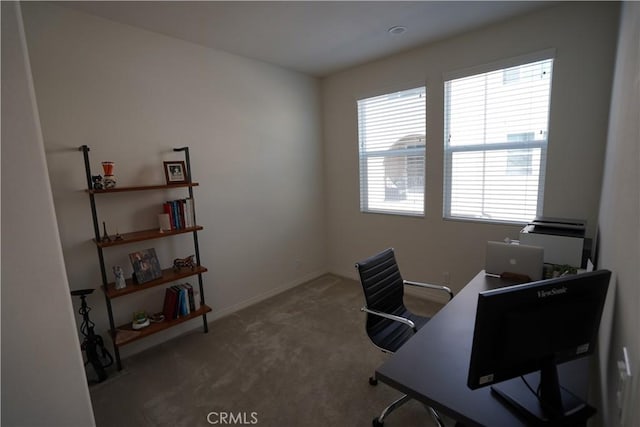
516 259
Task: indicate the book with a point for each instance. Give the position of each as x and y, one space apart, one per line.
166 208
182 304
170 303
192 212
184 301
181 213
196 299
187 300
176 290
187 213
192 305
176 217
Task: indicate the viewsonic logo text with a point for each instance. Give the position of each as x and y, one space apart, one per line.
552 292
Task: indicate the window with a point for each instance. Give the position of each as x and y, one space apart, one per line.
391 131
496 127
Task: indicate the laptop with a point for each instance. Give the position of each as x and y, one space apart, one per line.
521 260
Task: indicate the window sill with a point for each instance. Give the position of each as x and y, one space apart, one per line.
518 224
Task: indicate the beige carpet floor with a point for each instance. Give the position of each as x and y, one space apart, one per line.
300 358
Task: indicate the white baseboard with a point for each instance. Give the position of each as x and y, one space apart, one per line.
217 314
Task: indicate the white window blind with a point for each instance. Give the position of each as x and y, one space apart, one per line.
496 129
392 130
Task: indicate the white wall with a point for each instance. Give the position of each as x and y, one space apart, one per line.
255 139
254 135
620 222
43 379
583 35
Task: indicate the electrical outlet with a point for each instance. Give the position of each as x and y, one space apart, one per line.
623 394
446 278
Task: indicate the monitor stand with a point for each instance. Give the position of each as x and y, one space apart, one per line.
560 407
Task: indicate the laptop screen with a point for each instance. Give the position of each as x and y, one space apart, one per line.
515 259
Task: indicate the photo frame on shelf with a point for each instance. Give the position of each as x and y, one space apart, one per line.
175 172
146 266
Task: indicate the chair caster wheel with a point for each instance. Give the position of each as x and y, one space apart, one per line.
376 423
373 381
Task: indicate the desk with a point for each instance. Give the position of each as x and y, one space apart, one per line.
432 367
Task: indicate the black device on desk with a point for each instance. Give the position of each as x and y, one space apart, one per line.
533 327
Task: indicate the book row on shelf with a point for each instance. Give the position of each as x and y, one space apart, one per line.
180 300
181 213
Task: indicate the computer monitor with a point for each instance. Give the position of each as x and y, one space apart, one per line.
533 327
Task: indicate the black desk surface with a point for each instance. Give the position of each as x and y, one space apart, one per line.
433 366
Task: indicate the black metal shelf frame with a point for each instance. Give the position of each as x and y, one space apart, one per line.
96 229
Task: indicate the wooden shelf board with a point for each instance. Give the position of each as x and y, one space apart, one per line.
139 236
143 188
168 275
125 334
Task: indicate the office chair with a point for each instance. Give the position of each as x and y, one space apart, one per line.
389 324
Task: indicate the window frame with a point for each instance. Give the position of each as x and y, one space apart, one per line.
449 150
419 150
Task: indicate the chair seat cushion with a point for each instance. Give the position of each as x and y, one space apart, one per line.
391 335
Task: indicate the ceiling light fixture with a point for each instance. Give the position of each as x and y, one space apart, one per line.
397 30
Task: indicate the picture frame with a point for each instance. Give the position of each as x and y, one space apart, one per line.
175 172
146 266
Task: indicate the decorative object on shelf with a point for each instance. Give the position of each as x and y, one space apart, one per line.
146 266
105 235
164 222
175 172
109 182
97 182
140 320
187 262
120 281
118 236
156 317
109 178
107 167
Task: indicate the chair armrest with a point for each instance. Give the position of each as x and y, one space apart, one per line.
400 319
430 286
